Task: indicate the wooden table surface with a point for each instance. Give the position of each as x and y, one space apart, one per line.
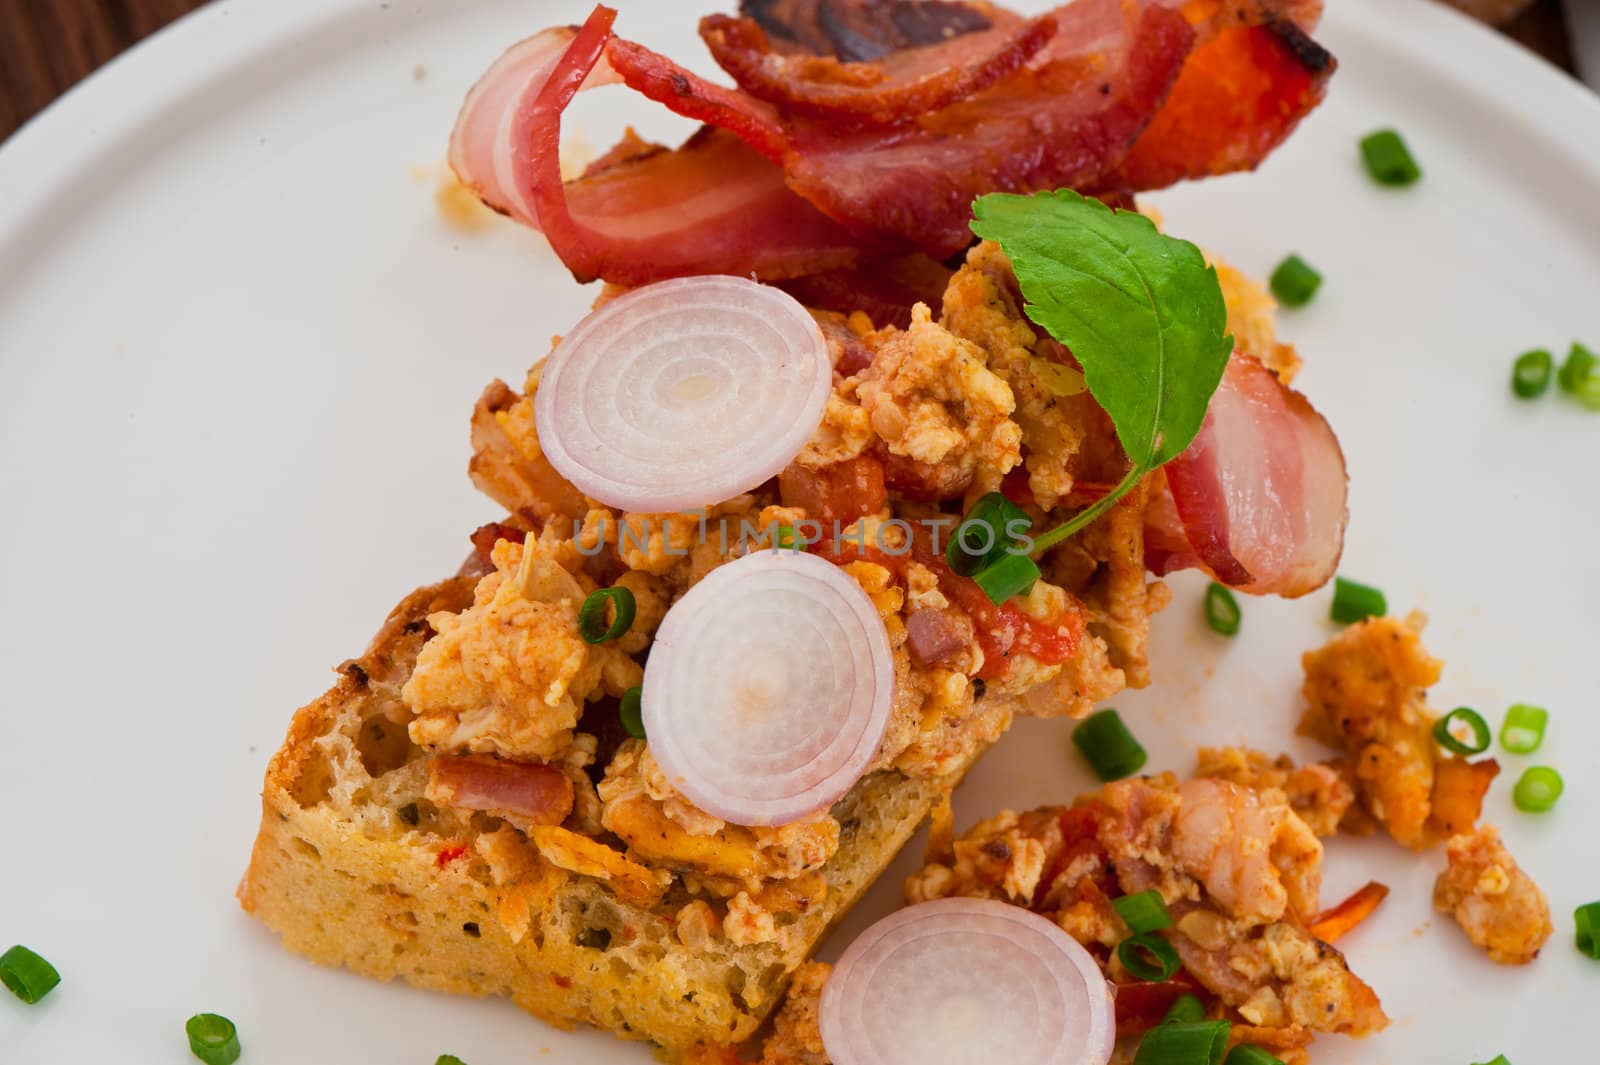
47 46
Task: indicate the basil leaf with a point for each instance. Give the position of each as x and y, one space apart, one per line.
1142 313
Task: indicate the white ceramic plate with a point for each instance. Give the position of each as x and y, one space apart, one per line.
239 345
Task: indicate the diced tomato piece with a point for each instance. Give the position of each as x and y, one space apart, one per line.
842 492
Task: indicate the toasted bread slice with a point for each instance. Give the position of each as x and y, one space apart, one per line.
354 867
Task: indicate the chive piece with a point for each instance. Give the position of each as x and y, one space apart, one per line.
1530 374
1200 1043
1248 1054
992 525
592 615
787 538
1481 736
1523 730
1144 912
1538 789
1353 602
1186 1010
1149 957
1580 376
1499 1059
213 1039
631 713
27 975
1295 281
1388 159
1222 610
449 1059
1105 741
1588 921
1010 575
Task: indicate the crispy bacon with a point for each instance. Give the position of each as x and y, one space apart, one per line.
884 289
712 206
882 120
862 30
1261 491
1239 96
532 790
910 81
1064 119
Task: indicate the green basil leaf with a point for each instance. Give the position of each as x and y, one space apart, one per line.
1142 313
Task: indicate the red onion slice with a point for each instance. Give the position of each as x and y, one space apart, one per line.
957 981
767 690
683 393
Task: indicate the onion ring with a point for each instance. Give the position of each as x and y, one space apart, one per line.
955 981
683 393
767 690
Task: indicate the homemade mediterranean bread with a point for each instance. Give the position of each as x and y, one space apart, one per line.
465 809
354 867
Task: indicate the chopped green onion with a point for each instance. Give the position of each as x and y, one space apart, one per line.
1523 731
592 624
1499 1059
1580 376
1246 1054
1149 957
1198 1043
1481 736
984 534
1222 610
1530 374
27 975
1353 602
449 1059
1144 912
1294 282
1388 159
1108 745
787 538
213 1039
631 714
1010 575
1538 789
1588 920
1186 1010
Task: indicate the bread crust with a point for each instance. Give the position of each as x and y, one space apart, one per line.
346 881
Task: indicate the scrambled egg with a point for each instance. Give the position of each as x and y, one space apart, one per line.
931 398
509 674
1366 693
1497 904
662 827
919 423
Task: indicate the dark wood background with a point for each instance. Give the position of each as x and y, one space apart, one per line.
47 46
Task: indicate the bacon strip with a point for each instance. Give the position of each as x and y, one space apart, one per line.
1062 120
884 289
1261 491
883 120
712 206
863 30
531 790
1240 95
907 82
